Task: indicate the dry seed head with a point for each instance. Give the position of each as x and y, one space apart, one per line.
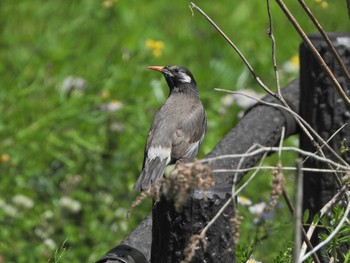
190 249
235 221
277 186
154 192
183 178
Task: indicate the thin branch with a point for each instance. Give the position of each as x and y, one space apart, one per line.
280 146
222 209
246 62
331 236
329 139
301 124
263 149
252 71
313 50
298 212
307 125
273 43
335 199
270 167
291 209
240 163
326 38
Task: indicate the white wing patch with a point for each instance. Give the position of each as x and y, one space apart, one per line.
184 78
159 152
192 150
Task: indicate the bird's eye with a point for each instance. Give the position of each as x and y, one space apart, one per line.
177 70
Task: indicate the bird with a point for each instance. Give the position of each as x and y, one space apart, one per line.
178 128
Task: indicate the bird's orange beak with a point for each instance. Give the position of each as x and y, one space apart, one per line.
156 68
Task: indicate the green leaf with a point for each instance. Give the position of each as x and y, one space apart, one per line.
306 216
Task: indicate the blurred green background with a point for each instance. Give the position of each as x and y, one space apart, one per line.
77 100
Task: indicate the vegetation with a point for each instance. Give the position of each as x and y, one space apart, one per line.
77 100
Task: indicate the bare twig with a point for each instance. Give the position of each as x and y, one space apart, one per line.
335 199
222 209
263 149
295 115
281 146
329 139
301 123
313 50
273 42
240 163
298 211
252 70
326 38
334 232
284 168
306 126
291 209
246 62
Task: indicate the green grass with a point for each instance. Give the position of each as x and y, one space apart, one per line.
55 145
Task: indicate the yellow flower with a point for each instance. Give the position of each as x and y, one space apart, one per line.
105 94
295 61
155 46
292 65
324 5
157 53
5 158
149 43
242 200
158 45
108 3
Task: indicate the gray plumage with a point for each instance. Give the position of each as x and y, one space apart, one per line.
178 128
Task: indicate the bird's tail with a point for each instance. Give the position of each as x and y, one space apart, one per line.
151 175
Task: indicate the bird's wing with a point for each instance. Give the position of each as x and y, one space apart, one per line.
157 156
189 134
151 173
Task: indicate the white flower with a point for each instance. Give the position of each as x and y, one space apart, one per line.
111 106
242 200
50 244
70 204
70 83
240 100
22 202
252 260
257 209
292 65
227 100
9 210
40 232
106 198
48 214
114 227
245 102
120 213
116 127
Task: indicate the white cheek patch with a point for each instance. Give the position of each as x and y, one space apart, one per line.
185 78
159 152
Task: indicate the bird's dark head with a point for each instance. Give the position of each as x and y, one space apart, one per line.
179 79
